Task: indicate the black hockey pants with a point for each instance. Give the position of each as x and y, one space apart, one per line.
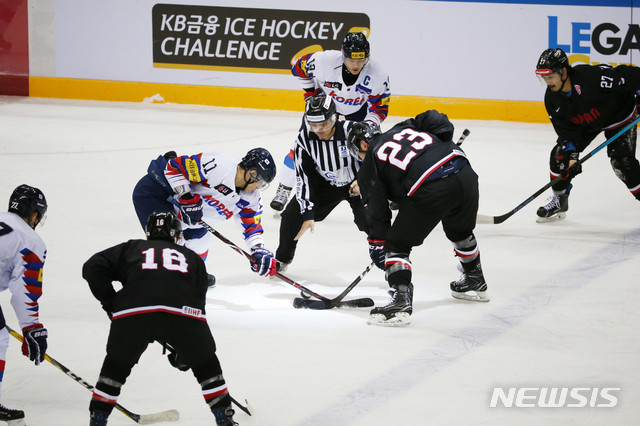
621 152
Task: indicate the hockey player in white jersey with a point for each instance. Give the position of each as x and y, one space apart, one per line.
210 187
358 85
22 256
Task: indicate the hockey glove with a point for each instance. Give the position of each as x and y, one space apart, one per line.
265 264
34 343
376 252
637 99
567 157
175 360
311 93
190 208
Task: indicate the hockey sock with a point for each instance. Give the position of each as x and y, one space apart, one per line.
397 268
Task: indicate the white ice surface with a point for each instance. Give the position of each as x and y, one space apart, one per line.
564 308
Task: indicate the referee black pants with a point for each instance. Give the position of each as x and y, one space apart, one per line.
325 198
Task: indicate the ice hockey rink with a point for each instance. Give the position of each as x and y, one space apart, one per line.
564 298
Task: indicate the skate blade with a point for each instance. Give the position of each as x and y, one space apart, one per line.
16 422
557 216
472 296
399 320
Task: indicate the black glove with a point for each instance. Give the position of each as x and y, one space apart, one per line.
34 343
190 208
175 360
637 99
567 155
376 252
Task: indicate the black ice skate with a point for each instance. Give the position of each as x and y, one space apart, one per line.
281 198
98 418
556 207
224 416
12 417
397 311
471 286
211 280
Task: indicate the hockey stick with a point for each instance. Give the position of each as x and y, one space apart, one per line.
355 303
248 409
482 219
143 419
463 136
299 302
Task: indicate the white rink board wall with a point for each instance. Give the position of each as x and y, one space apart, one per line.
448 49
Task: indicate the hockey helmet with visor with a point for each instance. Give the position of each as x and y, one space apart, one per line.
26 200
320 112
163 226
551 61
261 168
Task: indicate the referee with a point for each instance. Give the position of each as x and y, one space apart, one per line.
325 176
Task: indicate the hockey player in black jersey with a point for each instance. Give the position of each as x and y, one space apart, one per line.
416 165
583 101
325 172
164 287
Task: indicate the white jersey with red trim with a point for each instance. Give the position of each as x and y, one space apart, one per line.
212 175
22 257
324 69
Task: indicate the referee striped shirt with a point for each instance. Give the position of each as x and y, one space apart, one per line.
331 158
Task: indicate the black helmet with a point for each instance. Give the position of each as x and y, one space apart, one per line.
260 160
552 60
163 226
355 46
26 200
319 108
435 123
362 131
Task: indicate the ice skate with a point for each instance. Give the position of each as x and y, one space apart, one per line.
12 417
556 207
224 416
280 199
98 418
211 280
470 286
398 310
281 267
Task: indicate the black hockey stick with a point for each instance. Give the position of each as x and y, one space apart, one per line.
299 302
143 419
248 409
482 219
355 303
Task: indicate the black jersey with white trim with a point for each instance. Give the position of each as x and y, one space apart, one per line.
156 276
397 164
601 98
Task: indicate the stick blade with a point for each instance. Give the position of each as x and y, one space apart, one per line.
300 303
318 305
365 302
164 416
485 220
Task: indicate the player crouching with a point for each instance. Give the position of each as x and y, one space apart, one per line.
417 165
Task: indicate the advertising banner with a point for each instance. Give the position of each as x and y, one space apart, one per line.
245 39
